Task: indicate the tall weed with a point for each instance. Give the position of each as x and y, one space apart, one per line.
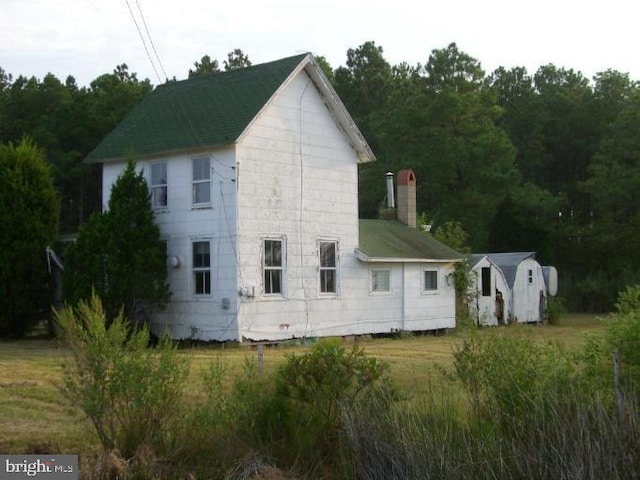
129 391
508 378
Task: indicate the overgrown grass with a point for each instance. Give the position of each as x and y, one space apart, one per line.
35 417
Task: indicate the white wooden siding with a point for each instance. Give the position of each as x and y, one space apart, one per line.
202 317
292 175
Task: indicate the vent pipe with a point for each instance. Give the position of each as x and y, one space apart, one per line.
391 202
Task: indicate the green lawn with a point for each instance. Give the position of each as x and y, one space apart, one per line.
35 418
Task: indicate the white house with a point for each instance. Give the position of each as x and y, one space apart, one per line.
528 291
489 294
253 176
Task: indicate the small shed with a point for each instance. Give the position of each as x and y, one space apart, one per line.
526 282
489 293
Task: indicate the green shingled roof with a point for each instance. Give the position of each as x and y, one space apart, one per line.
391 240
200 112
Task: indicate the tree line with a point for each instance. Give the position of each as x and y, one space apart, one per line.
544 161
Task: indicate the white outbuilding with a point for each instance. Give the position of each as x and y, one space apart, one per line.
525 278
489 295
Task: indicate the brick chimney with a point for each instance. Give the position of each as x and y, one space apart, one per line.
406 198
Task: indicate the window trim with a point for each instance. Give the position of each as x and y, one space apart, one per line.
430 291
153 187
195 182
335 268
272 268
195 270
372 289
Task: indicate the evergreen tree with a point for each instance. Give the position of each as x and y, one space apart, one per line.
29 211
119 253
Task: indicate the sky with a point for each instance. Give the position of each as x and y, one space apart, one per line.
87 38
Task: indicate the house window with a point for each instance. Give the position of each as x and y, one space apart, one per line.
486 281
273 267
328 267
430 281
381 280
158 185
201 181
530 276
202 267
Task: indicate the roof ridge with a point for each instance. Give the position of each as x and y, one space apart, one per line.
233 72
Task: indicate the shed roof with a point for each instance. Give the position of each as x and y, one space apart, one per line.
393 241
508 263
213 110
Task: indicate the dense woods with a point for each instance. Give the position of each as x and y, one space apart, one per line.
545 161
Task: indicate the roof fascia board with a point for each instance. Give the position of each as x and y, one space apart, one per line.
282 86
340 112
170 153
360 255
335 105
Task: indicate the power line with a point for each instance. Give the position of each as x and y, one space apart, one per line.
144 43
144 22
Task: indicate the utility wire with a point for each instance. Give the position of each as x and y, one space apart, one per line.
144 43
146 29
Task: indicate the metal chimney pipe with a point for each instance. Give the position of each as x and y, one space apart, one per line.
391 201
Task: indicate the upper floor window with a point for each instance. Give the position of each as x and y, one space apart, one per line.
158 185
202 267
381 280
273 267
430 281
201 181
530 276
328 252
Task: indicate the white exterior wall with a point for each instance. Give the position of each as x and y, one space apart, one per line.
201 317
428 310
483 308
298 181
526 294
291 176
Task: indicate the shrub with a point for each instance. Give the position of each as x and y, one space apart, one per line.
628 300
507 378
129 392
556 308
622 335
315 387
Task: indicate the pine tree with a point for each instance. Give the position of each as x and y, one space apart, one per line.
119 253
29 217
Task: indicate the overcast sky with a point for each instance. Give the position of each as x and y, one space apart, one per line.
86 38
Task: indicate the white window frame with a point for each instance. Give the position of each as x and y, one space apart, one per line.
374 284
157 189
201 269
430 291
324 269
198 182
281 269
